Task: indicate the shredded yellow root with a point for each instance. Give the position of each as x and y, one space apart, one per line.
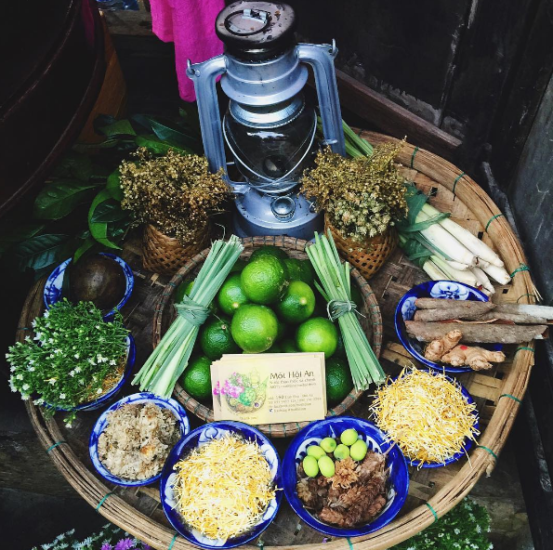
426 415
224 487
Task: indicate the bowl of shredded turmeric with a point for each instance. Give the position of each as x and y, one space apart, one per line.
220 485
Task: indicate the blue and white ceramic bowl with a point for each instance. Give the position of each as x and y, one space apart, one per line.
467 445
111 394
406 308
53 290
398 484
101 423
196 438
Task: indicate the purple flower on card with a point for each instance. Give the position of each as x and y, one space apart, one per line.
217 389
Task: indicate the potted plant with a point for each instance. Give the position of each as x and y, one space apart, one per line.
362 198
174 196
75 360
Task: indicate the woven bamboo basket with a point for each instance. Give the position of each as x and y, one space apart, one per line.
368 256
166 255
432 492
371 321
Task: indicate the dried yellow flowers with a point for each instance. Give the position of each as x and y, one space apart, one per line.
362 196
176 193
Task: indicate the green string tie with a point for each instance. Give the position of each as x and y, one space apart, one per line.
194 313
488 450
521 267
261 544
172 542
415 151
52 447
526 348
457 181
527 294
350 543
103 500
510 397
336 308
436 518
491 220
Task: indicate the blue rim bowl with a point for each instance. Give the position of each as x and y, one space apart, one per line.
101 423
406 309
376 440
196 438
53 290
111 394
468 442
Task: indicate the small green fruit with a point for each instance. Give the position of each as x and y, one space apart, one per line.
341 452
358 450
349 437
310 466
315 451
326 466
328 444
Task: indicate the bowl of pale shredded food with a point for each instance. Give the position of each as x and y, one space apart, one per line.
132 439
220 485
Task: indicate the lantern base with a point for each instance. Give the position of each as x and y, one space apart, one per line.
260 214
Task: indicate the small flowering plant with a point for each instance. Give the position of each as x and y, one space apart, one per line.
74 356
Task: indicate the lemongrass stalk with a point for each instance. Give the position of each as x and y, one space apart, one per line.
463 276
457 265
361 144
434 272
498 274
484 281
445 241
470 241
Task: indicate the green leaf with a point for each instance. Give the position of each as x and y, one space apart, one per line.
169 132
58 199
154 145
74 165
114 185
109 211
87 244
117 128
99 230
42 251
11 236
107 144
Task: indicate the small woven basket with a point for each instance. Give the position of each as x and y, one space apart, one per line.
369 256
371 322
166 255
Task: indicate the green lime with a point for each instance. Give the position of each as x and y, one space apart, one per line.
317 334
288 345
338 380
231 296
300 270
196 379
264 281
216 338
275 348
282 330
268 250
340 348
298 303
254 328
238 266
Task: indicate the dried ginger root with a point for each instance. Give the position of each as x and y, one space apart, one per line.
436 349
476 358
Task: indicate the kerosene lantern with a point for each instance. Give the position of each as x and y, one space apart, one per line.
268 128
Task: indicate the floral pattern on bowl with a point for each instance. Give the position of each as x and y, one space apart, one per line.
406 309
53 289
376 440
144 397
197 438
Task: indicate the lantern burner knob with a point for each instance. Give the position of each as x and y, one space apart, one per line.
283 208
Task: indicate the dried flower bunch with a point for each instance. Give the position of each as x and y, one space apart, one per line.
176 193
362 196
74 357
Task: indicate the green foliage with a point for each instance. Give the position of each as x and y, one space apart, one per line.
463 528
71 357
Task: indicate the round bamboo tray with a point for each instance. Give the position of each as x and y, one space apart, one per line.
371 321
432 493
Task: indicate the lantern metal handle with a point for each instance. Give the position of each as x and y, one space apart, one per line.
321 58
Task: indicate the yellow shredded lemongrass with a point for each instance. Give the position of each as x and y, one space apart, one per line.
224 487
426 415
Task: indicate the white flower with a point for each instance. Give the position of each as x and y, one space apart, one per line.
27 338
52 381
99 390
19 377
45 314
38 336
26 387
33 324
91 361
25 397
62 396
113 362
12 369
12 386
456 530
77 356
77 369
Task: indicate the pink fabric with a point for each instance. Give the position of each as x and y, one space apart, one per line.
190 24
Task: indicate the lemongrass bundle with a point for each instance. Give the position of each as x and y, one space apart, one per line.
167 362
336 289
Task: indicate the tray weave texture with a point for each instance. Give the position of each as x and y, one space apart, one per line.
371 321
432 492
